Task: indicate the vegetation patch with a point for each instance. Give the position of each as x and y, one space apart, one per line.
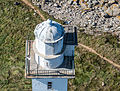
92 72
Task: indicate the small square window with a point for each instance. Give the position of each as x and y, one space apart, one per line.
47 64
49 85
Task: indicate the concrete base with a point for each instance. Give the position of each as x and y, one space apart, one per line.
58 84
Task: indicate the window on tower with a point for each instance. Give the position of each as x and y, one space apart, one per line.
49 85
47 64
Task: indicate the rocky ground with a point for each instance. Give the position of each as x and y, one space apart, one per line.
97 15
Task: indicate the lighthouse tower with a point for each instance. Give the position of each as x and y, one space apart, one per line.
50 57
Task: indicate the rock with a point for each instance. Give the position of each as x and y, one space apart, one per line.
90 21
27 18
106 1
109 11
85 0
70 2
95 2
110 25
94 24
103 83
85 25
102 2
88 14
67 22
118 28
8 9
114 10
49 11
58 6
39 6
55 5
118 1
17 3
90 1
74 2
34 14
90 5
112 1
118 17
106 29
104 8
106 15
83 5
50 4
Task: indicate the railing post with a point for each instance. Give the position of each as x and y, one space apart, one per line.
28 66
37 68
27 61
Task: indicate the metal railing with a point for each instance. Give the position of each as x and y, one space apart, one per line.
27 60
52 72
38 72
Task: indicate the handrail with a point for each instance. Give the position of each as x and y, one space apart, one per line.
26 56
52 72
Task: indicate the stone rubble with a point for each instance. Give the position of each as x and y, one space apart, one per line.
97 15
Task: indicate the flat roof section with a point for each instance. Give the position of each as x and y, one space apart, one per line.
33 70
70 37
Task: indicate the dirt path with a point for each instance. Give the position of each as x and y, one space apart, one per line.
36 9
93 51
84 46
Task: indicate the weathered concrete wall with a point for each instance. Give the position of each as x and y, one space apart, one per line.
58 84
53 48
49 63
49 48
40 46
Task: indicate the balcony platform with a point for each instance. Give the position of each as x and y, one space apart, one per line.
70 37
65 70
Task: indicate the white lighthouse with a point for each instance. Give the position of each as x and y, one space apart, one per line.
50 57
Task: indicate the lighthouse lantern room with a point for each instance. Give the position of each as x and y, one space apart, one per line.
50 57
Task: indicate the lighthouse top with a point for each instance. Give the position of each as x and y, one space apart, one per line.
53 48
49 31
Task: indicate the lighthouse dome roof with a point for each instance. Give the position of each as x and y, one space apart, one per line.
49 31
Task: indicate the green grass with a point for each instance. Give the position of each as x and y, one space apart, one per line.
91 70
18 21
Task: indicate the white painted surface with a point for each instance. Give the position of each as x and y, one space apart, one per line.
53 48
52 33
58 46
58 84
69 50
40 46
49 48
49 41
49 31
49 63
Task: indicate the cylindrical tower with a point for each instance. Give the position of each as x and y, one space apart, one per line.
48 44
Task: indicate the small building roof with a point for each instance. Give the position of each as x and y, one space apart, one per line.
49 31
